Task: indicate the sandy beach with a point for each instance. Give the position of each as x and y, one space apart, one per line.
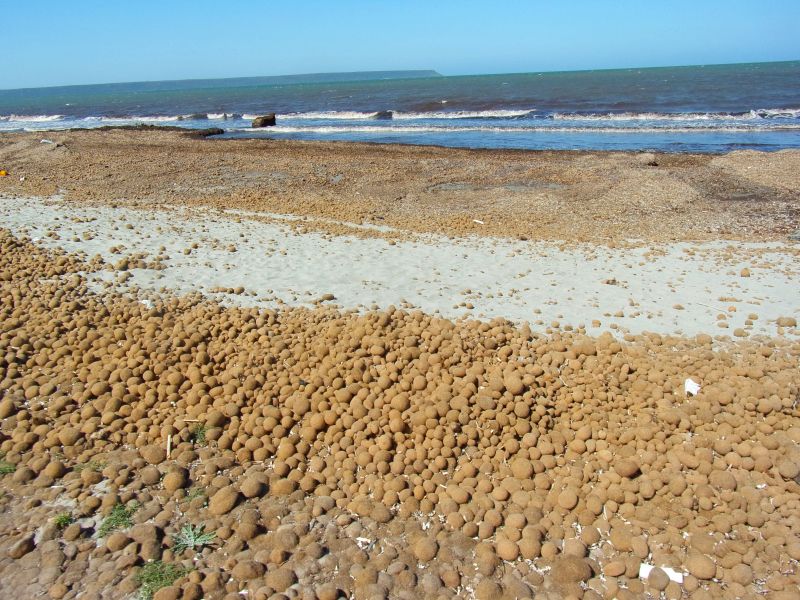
396 372
723 288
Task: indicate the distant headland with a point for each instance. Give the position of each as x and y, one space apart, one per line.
190 84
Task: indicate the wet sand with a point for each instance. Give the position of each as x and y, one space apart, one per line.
358 391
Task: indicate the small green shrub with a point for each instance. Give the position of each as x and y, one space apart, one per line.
92 465
63 520
192 538
198 435
195 493
156 575
5 466
118 518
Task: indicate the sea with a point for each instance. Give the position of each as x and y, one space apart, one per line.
707 108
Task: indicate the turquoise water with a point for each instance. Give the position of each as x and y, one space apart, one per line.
701 108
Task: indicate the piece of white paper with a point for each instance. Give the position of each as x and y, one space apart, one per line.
676 576
691 388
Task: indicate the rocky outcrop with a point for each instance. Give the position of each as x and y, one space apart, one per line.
267 120
204 133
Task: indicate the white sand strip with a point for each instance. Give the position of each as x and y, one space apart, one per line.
675 288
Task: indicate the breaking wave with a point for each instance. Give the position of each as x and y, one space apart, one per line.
30 118
338 115
751 115
332 129
755 116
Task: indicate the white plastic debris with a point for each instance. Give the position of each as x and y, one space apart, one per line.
478 222
46 141
691 388
676 576
363 542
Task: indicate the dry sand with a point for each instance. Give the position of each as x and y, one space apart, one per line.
170 359
679 288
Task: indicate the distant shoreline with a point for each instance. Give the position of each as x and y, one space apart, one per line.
195 83
378 75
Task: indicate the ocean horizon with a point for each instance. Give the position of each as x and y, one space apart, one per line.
711 108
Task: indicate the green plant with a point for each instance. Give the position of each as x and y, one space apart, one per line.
198 435
63 520
195 493
156 575
192 538
92 465
5 466
118 518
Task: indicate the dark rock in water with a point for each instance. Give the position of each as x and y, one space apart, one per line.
383 115
198 117
235 116
140 127
231 116
267 120
204 133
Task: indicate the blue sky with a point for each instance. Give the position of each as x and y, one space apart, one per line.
57 42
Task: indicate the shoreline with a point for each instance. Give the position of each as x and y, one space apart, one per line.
218 134
599 197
